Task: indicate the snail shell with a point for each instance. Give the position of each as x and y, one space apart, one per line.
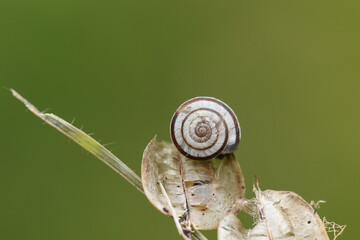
203 128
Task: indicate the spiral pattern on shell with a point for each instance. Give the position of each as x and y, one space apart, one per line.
204 127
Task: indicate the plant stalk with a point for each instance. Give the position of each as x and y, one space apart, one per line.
92 146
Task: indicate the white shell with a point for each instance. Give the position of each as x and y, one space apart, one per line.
203 128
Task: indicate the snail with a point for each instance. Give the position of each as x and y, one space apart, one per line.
203 128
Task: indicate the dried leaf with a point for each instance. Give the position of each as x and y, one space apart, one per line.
201 192
280 215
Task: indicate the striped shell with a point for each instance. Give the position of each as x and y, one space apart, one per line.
203 128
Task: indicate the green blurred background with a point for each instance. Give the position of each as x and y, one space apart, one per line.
289 69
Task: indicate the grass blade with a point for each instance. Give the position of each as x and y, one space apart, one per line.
86 142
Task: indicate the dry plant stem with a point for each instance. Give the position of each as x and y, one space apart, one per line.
198 235
173 212
91 145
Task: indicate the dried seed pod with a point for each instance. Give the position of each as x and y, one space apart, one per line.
277 215
201 192
203 128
